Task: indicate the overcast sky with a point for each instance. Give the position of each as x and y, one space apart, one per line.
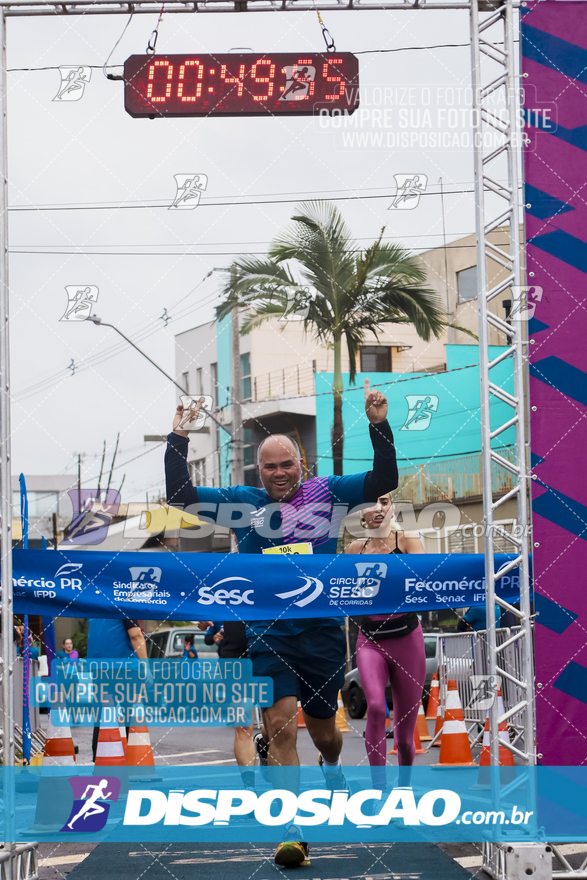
91 152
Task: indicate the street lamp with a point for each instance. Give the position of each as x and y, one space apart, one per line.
98 321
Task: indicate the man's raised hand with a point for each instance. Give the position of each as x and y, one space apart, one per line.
184 417
375 405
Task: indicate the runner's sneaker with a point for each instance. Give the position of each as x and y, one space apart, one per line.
262 749
335 780
292 852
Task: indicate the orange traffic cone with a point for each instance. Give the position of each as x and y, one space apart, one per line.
438 729
109 752
139 754
455 750
421 725
59 750
301 722
418 744
506 758
434 699
122 731
55 795
506 761
340 719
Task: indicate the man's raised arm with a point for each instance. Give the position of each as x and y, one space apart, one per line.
383 477
177 478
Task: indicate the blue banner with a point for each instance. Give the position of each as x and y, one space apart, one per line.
211 804
206 586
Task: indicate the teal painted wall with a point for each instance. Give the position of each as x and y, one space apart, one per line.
453 429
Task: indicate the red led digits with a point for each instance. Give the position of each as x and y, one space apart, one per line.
199 75
247 84
334 79
152 84
234 79
263 79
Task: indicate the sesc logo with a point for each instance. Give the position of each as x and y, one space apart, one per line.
211 595
90 806
369 577
308 582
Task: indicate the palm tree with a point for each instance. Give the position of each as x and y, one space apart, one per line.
353 291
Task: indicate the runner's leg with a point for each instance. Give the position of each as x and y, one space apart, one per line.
408 673
245 753
281 723
326 736
374 672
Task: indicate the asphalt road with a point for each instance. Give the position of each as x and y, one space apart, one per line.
173 745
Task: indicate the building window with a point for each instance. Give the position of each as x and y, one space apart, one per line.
185 381
198 472
200 381
248 448
467 284
214 377
40 503
246 376
376 359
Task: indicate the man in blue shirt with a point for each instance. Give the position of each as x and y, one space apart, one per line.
304 657
476 618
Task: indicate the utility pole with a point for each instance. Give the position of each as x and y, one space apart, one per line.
237 454
449 313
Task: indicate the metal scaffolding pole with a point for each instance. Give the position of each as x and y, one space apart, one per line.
5 467
496 205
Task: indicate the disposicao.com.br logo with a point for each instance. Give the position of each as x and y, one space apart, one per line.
314 807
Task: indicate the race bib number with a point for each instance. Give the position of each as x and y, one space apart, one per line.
287 549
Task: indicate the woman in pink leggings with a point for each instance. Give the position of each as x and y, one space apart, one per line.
390 647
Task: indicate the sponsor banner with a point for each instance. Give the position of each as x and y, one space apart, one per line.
553 48
210 804
203 586
190 693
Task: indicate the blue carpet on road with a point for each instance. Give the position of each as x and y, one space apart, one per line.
236 861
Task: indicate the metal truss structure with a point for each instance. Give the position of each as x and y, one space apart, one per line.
496 206
110 7
488 17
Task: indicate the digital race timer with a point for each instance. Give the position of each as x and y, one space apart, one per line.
282 84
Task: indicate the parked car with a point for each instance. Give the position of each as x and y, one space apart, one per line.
353 695
169 643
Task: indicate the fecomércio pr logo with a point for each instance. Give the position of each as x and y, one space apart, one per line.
91 797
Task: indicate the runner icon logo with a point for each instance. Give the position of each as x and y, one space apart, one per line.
299 83
189 188
309 582
90 805
73 83
421 408
524 302
144 580
484 691
80 299
369 576
409 189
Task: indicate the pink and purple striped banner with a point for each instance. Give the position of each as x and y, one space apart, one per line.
554 64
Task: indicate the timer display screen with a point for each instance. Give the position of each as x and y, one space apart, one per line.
282 84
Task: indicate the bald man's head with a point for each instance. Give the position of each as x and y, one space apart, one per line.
280 466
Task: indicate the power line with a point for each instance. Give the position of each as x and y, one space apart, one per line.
196 253
144 332
232 204
363 52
